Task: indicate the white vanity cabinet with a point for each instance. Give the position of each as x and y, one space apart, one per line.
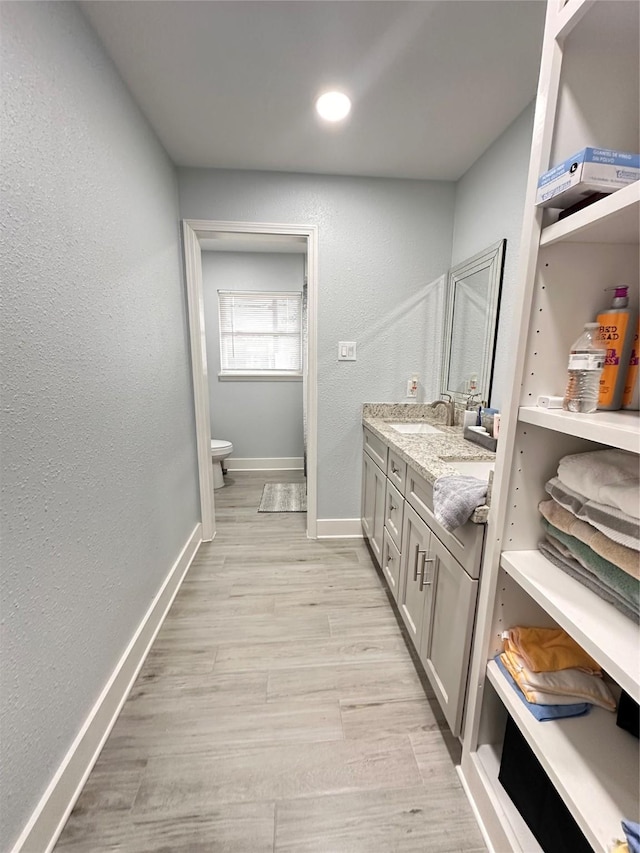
437 602
434 584
374 484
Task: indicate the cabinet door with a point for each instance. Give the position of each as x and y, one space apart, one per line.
416 537
373 494
391 564
393 513
448 627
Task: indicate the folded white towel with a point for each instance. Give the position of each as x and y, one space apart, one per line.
455 498
608 476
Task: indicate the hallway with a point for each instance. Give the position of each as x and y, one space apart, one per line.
278 710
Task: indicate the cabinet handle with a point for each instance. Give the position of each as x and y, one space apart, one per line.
423 574
392 508
416 573
394 470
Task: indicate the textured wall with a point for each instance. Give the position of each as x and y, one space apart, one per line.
263 419
490 207
381 242
99 476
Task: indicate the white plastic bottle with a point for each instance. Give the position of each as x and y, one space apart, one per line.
586 361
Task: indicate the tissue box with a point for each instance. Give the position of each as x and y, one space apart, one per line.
592 170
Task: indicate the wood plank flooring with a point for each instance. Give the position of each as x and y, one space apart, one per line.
278 710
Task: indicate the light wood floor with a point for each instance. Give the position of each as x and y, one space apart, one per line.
278 710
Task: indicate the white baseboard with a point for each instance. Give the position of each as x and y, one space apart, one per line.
276 463
339 528
50 815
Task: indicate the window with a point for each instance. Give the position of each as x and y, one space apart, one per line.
260 333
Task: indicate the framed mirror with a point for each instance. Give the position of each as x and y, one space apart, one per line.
471 323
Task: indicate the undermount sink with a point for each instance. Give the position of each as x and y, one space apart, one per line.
479 468
416 429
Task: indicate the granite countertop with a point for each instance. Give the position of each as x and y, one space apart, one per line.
430 454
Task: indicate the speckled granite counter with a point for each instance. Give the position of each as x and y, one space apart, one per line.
429 455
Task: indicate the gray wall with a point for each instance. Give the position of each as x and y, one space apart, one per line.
99 476
490 206
263 419
381 242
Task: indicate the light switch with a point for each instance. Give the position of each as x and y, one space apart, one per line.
346 351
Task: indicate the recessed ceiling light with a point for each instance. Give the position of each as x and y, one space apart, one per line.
333 106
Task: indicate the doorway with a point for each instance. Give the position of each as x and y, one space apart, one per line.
197 235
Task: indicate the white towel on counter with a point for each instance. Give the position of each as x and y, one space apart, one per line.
608 476
456 497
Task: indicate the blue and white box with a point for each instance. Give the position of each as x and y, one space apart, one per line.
592 170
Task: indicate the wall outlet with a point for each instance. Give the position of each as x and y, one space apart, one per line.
412 388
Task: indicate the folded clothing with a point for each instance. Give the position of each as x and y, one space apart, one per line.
608 476
557 554
455 498
564 686
632 832
544 712
614 523
624 558
548 650
626 587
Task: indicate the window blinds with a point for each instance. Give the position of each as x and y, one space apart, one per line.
260 332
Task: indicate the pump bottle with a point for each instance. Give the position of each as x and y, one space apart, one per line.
616 333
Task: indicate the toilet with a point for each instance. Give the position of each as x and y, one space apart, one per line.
220 449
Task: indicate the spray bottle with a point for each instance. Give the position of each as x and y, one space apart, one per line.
617 335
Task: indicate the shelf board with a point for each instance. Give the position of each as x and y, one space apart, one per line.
616 429
602 631
592 763
614 219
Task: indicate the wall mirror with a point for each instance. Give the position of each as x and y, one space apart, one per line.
471 322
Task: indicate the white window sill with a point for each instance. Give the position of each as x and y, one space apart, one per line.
263 376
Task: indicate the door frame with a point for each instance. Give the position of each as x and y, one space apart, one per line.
192 231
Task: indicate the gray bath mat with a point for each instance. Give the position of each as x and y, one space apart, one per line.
284 497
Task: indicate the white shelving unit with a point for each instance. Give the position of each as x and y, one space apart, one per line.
588 94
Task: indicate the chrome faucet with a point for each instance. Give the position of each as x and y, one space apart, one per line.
450 409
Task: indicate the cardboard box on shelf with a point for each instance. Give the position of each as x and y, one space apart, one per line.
592 170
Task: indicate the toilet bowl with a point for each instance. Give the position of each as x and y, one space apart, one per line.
220 449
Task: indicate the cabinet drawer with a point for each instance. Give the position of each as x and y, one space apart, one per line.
393 512
376 448
465 542
391 564
397 471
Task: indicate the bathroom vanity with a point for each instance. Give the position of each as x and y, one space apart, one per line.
432 573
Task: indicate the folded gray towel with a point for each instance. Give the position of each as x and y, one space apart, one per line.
455 498
614 523
586 578
625 586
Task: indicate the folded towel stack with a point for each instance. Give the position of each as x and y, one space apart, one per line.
592 525
552 674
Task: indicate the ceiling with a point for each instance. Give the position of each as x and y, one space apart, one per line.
231 83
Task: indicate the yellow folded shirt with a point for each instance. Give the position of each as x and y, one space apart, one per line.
548 650
620 847
563 687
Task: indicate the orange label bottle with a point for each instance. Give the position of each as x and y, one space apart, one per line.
632 375
615 334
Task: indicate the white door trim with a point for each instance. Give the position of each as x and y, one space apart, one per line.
193 231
